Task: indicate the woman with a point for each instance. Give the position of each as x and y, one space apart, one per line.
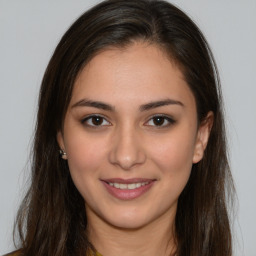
131 100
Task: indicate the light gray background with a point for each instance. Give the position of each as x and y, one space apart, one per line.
29 32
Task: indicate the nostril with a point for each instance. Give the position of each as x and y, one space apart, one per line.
127 159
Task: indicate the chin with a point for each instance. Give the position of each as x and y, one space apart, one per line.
128 220
128 224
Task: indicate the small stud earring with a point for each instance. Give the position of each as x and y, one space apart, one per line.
63 154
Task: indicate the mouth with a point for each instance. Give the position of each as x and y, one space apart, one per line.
128 186
128 189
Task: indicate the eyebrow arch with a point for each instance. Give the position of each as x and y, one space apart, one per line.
94 104
144 107
157 104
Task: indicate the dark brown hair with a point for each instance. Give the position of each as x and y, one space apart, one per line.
52 220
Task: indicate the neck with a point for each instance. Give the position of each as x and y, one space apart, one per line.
156 238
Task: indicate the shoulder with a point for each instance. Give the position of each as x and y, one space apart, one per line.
15 253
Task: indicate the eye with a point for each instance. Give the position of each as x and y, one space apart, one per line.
95 120
160 121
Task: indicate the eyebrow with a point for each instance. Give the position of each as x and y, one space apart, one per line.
144 107
94 104
160 103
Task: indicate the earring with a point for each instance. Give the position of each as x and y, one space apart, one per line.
63 154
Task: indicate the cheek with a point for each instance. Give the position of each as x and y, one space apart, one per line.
85 159
84 155
174 160
174 154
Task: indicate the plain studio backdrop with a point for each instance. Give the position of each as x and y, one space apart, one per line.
29 32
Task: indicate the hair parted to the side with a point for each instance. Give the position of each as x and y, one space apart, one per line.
52 220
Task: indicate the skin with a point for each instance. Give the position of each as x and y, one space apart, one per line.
127 142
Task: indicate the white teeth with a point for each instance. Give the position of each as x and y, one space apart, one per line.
128 186
132 186
116 185
123 186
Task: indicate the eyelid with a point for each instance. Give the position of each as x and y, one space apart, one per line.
167 118
170 121
88 117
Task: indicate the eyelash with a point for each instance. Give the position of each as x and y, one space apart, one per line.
85 121
167 121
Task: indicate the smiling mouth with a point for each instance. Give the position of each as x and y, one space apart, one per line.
128 186
128 189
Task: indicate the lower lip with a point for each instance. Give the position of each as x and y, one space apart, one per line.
127 194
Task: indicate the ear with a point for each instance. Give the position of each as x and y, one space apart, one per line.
60 141
203 134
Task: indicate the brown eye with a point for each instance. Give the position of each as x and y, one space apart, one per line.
160 121
95 120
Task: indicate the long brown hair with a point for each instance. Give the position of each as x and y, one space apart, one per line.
52 220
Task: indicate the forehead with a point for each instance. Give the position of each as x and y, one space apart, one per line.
139 72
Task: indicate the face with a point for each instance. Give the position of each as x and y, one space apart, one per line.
131 136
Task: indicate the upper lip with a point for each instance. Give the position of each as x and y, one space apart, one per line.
127 181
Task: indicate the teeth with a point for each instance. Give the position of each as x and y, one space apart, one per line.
116 185
132 186
128 186
123 186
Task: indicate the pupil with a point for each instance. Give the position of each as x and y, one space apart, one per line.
158 120
97 120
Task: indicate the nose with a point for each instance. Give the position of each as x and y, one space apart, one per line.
127 149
